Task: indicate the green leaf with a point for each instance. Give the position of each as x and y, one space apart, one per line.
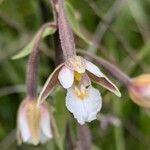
73 22
27 49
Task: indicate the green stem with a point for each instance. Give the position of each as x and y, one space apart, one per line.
118 130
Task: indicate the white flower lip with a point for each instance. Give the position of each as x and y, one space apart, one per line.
84 110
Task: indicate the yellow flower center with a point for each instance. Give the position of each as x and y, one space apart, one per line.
78 76
81 93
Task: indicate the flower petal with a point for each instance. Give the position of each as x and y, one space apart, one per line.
23 126
50 84
33 117
85 81
66 77
84 110
45 123
93 69
105 82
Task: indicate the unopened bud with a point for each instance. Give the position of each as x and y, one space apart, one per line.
139 90
34 123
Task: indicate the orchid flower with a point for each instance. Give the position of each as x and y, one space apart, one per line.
34 123
75 75
139 90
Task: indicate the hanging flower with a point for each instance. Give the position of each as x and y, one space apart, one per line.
34 123
85 106
82 99
139 90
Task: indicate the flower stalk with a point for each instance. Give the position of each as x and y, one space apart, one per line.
65 33
70 142
84 137
32 67
32 71
58 50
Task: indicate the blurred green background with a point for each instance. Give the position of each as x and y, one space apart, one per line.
121 31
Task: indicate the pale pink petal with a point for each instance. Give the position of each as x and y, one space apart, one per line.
93 69
66 77
46 123
23 126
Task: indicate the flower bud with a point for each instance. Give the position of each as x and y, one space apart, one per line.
34 123
139 90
